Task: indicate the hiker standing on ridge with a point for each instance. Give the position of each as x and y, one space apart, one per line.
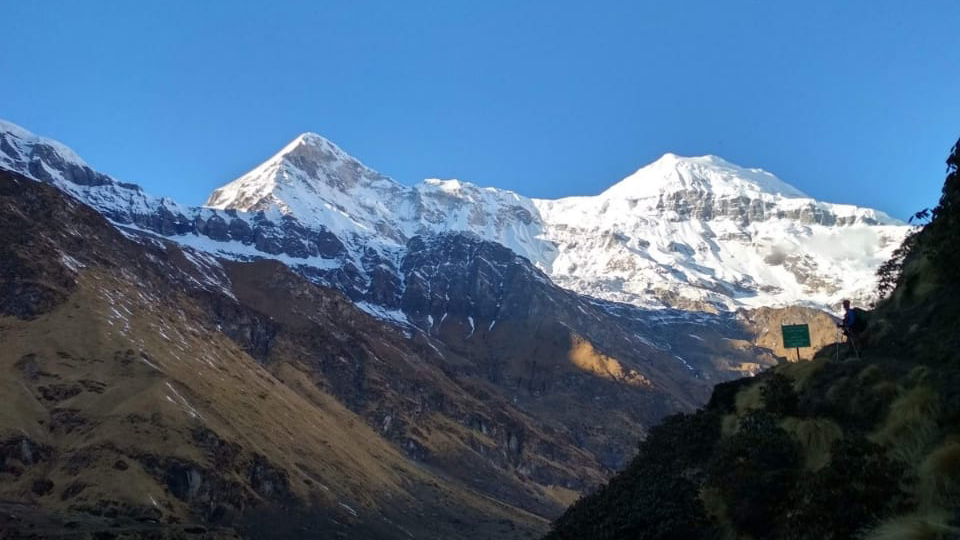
852 326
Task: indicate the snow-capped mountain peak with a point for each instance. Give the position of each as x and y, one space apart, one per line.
704 174
308 167
24 143
320 185
311 147
703 231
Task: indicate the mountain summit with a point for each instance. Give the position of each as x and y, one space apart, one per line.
702 232
308 168
711 174
319 184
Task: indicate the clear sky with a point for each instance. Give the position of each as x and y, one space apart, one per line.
851 101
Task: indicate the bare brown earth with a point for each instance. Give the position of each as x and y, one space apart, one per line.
151 392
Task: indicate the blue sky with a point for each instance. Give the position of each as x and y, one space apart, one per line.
850 101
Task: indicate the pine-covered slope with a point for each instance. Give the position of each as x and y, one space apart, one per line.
839 447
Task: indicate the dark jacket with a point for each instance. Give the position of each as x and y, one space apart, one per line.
849 319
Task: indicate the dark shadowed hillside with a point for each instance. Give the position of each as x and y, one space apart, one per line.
839 447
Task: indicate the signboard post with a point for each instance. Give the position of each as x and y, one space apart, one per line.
795 336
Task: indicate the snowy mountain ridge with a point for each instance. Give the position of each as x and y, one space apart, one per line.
705 173
696 233
315 181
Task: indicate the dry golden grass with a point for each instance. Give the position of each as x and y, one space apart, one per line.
816 436
916 290
713 505
927 526
583 355
939 477
749 399
232 395
869 374
801 372
911 424
560 493
835 392
887 389
712 502
729 425
918 375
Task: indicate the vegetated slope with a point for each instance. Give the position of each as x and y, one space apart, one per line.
851 448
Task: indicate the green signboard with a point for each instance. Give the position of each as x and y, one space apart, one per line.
795 336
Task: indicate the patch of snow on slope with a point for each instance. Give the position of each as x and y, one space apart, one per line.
380 312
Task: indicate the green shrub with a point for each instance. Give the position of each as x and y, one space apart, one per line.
723 398
779 398
858 485
754 471
657 496
911 424
942 234
940 477
927 526
816 437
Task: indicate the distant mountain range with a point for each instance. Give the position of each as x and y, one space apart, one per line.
693 233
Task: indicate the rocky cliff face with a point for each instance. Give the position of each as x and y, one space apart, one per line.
686 205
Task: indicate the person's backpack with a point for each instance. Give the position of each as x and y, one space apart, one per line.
860 319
